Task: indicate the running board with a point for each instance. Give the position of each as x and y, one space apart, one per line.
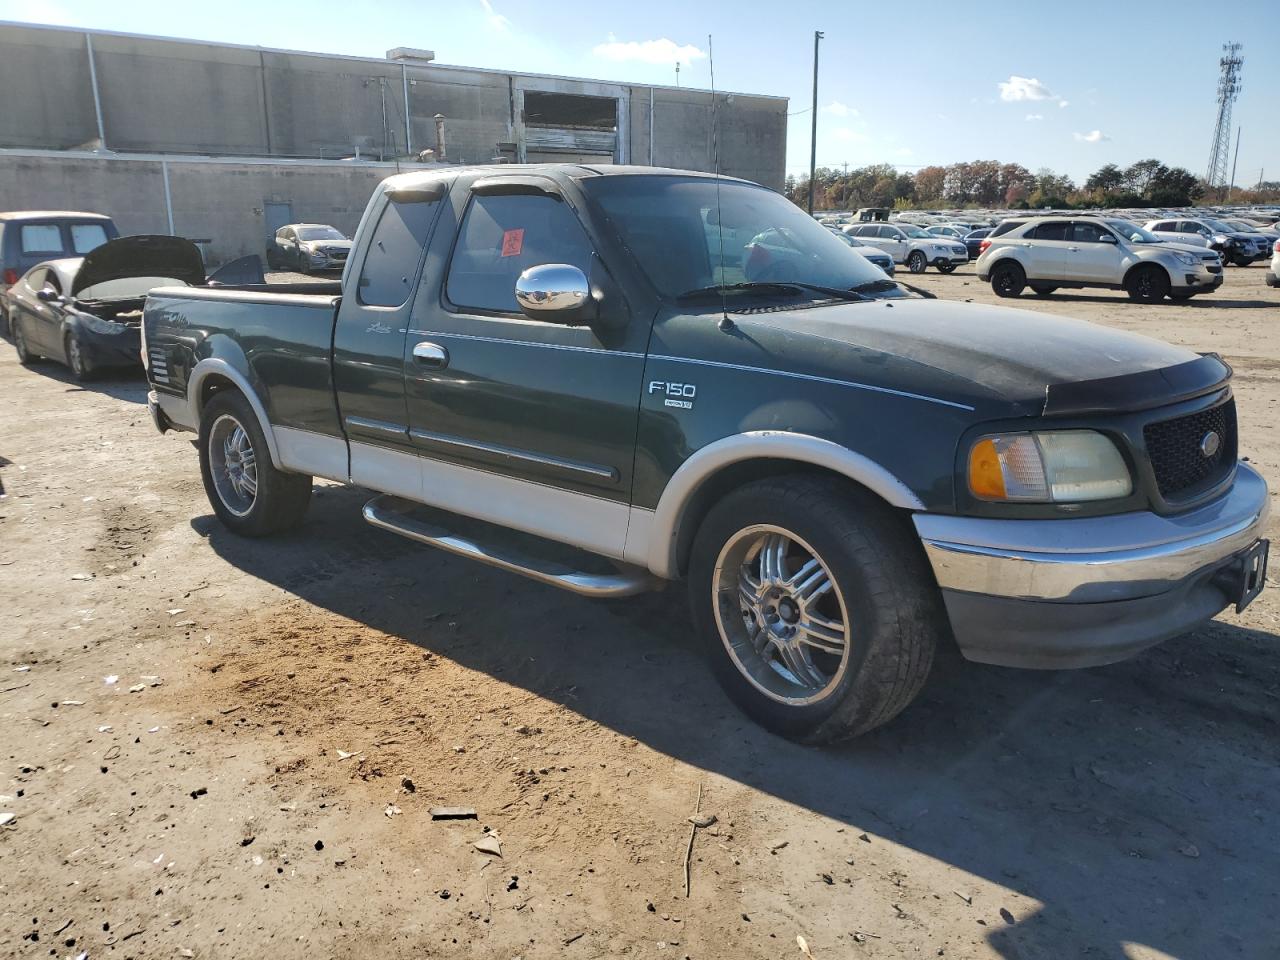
394 514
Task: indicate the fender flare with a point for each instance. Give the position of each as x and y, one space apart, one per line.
215 365
664 534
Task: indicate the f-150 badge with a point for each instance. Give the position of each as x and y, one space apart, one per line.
679 395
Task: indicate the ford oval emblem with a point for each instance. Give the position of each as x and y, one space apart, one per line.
1210 443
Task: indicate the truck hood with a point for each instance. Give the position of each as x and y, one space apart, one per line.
142 256
982 355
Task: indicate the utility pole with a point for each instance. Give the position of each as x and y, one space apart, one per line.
813 144
677 73
1234 161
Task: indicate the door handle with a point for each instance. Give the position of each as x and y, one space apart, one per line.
430 354
1073 249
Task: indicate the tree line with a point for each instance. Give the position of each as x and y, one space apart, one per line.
988 183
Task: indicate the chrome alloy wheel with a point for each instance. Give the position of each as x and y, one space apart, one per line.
781 615
233 465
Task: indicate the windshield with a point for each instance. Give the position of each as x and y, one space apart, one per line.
127 288
917 233
1217 225
1241 226
673 227
319 233
1132 232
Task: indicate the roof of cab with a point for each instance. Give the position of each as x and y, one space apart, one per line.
577 171
51 214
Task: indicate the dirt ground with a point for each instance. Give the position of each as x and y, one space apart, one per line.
215 747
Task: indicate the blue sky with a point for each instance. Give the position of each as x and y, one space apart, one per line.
1069 86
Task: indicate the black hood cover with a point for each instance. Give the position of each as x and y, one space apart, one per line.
142 256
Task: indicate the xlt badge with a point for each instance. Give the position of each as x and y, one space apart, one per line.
679 395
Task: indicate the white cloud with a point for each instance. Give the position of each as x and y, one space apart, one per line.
1093 136
838 109
1035 116
661 52
904 152
496 20
1024 88
847 135
1064 103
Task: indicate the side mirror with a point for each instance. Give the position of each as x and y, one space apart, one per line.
48 295
1107 238
555 292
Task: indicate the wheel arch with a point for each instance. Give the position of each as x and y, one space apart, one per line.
1145 265
742 458
213 375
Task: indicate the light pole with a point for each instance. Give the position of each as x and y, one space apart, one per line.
813 142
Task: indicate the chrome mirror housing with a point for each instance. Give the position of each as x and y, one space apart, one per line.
553 291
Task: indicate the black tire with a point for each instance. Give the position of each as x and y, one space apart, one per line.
272 263
946 267
1040 290
25 356
1008 279
78 361
893 609
279 500
1183 296
1241 261
917 262
1147 284
4 323
304 264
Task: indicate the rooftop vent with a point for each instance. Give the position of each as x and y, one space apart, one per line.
411 55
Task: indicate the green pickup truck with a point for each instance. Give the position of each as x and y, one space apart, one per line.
608 378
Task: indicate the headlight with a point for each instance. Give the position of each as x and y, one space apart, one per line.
98 325
1048 467
1186 258
939 248
1225 241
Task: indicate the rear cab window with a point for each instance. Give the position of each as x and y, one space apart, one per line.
502 235
395 250
41 238
87 236
1053 230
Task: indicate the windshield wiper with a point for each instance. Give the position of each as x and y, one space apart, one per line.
921 291
876 285
778 286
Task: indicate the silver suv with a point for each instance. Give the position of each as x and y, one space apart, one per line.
1047 253
908 244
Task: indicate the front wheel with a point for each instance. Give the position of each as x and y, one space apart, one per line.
1041 290
1149 284
77 358
1186 295
917 263
815 605
946 267
248 494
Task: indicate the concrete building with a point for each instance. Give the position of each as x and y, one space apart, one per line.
225 142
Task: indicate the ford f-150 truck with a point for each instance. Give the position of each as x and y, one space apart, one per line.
589 375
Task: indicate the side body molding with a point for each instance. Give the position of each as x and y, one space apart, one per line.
215 365
661 550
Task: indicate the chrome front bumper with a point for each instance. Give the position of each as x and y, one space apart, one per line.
1078 592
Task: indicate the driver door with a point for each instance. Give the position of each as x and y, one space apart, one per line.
526 423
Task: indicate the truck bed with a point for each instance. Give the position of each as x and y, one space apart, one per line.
277 336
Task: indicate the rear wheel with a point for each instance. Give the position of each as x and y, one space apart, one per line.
1041 290
1008 279
816 608
1148 284
25 356
249 495
917 263
77 359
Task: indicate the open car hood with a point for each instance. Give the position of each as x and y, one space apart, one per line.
141 256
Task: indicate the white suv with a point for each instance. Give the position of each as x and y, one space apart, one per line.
1273 275
908 244
1046 253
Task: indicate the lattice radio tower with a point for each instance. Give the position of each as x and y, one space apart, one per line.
1229 82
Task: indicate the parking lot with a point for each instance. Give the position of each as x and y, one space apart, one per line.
229 748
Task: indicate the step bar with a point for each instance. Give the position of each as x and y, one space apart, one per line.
394 514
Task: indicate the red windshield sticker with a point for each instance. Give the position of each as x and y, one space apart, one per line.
512 242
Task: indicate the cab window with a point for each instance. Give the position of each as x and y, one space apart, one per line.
87 236
391 262
1085 232
41 238
504 235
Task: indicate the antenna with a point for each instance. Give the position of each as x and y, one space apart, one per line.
725 323
1231 65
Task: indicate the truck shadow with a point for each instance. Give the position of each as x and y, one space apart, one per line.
1129 806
